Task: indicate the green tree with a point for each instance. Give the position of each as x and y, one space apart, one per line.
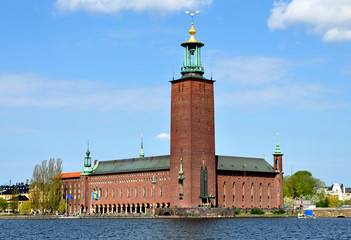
26 207
14 200
3 204
46 185
62 206
304 184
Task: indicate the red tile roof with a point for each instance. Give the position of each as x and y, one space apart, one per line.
71 175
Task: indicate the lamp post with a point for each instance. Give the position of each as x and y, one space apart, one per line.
292 192
153 194
244 188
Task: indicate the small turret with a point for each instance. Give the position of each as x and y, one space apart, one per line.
87 162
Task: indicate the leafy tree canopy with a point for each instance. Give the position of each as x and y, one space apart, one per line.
303 182
3 204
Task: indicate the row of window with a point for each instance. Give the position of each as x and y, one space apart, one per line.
252 194
130 180
131 175
129 192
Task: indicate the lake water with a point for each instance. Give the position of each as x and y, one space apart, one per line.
276 228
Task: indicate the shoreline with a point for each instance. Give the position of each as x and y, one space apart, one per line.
26 217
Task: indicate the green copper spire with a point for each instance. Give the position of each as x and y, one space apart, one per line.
277 148
87 162
142 154
192 56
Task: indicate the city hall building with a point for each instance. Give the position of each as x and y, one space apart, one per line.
192 175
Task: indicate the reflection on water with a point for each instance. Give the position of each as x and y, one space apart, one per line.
291 228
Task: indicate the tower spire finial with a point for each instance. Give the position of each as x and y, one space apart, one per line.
192 30
277 148
142 154
88 151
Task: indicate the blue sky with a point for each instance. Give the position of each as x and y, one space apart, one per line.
73 69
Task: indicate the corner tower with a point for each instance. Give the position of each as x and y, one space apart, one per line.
193 164
278 168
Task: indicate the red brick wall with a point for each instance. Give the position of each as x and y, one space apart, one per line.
133 181
192 139
225 183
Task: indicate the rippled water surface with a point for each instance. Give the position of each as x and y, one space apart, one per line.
328 228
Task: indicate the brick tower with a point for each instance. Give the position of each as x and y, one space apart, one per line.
278 167
192 164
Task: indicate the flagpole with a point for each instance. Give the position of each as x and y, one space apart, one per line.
66 203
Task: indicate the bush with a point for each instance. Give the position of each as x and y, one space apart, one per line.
280 211
237 212
256 211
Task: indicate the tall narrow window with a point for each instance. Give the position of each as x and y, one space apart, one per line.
252 195
120 192
160 190
260 195
233 194
243 195
144 192
106 193
128 192
224 194
113 193
136 192
268 196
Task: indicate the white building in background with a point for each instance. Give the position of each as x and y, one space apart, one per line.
339 190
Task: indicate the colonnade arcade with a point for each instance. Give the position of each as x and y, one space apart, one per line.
140 208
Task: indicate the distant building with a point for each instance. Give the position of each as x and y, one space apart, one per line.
192 175
22 196
339 190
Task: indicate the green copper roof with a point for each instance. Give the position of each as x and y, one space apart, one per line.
225 163
133 165
277 149
241 163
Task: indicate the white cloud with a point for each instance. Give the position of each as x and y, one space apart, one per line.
261 82
163 136
112 6
249 70
295 95
31 90
328 18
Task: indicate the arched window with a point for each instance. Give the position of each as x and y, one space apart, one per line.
277 163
